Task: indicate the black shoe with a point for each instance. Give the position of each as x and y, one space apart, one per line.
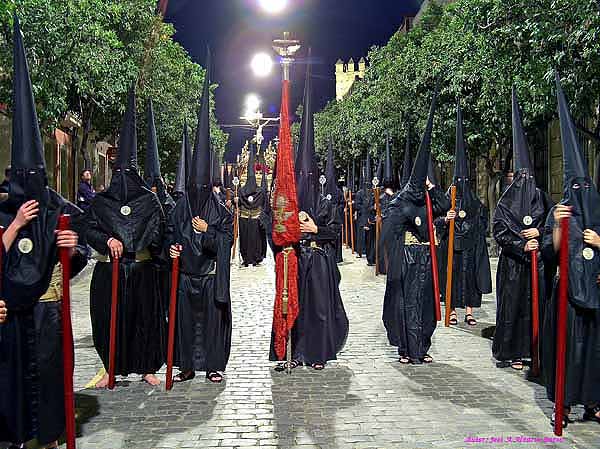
184 376
590 414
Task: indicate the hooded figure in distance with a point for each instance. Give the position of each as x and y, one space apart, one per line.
365 215
335 195
203 226
518 226
31 362
126 221
472 276
321 328
390 184
580 206
409 303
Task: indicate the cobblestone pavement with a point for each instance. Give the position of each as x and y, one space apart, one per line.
364 400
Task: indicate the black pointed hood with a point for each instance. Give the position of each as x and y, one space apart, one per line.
461 169
250 186
181 177
216 177
353 178
421 164
521 159
331 187
388 167
127 156
408 162
152 165
28 168
199 183
431 172
307 170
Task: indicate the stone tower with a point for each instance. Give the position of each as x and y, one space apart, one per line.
346 74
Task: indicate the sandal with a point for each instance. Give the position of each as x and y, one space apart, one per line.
427 359
404 360
453 319
591 414
280 367
470 321
184 376
214 377
318 366
517 365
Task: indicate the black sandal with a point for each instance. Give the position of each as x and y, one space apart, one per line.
214 377
427 359
453 319
282 366
517 365
405 360
318 366
470 321
591 414
184 376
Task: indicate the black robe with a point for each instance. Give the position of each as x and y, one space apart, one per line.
582 384
365 228
384 203
337 202
321 329
203 322
31 363
409 302
253 237
141 321
512 339
472 275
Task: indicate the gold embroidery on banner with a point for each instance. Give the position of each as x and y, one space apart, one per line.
280 214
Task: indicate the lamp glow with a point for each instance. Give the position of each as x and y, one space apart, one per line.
262 64
252 103
273 6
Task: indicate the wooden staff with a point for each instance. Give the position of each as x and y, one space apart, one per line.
535 315
236 223
345 226
561 328
113 323
377 229
450 267
351 222
64 223
172 318
434 264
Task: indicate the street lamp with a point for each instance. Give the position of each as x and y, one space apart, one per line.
273 6
252 104
262 64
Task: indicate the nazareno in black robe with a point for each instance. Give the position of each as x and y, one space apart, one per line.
409 303
337 202
31 363
253 237
321 328
203 323
141 321
385 200
365 217
472 275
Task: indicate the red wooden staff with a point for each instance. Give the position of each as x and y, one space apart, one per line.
351 222
535 315
450 264
434 263
561 328
113 323
64 223
345 227
172 317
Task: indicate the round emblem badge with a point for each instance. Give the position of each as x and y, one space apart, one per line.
418 221
25 245
328 197
588 253
527 220
126 210
251 198
462 214
303 216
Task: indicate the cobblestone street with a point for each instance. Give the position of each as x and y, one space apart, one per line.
364 400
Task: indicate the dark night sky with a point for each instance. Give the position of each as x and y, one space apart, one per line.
237 29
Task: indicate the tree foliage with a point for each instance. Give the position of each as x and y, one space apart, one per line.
479 49
85 54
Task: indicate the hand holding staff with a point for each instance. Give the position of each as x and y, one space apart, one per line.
67 340
175 253
449 266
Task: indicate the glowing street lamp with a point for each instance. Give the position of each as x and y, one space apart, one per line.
262 64
273 6
252 104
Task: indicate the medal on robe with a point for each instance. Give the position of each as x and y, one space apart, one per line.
303 216
527 220
251 198
25 245
462 214
328 197
125 210
588 253
418 221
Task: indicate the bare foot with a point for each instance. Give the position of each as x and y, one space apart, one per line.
151 379
102 383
